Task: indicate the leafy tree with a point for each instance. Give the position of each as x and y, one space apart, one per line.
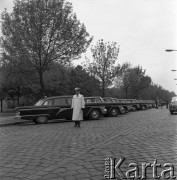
122 80
80 78
137 80
125 75
132 80
15 83
56 80
38 32
103 65
155 91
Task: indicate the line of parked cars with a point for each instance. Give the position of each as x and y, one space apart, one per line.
59 107
173 105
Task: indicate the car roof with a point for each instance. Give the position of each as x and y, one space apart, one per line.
53 97
93 97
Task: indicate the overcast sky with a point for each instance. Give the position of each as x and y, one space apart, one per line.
142 28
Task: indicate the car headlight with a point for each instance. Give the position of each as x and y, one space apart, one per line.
103 109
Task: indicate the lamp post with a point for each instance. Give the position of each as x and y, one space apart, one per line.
170 50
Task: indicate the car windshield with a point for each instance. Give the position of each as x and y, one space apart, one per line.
107 100
92 100
39 103
114 100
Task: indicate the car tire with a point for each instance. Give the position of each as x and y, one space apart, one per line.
171 112
114 112
143 107
134 108
94 114
41 120
124 111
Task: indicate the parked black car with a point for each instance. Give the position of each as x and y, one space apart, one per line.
173 105
126 105
58 107
96 101
134 103
113 107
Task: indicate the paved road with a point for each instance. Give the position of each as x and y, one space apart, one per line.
58 151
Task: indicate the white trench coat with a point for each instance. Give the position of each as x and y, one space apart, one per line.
77 103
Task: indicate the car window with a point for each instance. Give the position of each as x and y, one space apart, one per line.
69 101
107 100
60 102
88 100
39 103
97 100
48 102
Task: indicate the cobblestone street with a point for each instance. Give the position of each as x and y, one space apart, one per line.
59 151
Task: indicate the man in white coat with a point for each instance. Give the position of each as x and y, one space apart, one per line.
78 105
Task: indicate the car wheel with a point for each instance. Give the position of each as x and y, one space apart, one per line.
114 112
123 111
94 114
171 112
134 108
126 110
143 108
41 120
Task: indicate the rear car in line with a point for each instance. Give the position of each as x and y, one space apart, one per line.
173 105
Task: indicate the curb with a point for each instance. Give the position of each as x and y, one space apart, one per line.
28 122
12 123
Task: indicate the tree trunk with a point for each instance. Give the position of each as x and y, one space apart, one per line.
41 84
27 96
138 94
18 95
103 89
126 91
1 105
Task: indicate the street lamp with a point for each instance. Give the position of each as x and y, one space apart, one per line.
170 50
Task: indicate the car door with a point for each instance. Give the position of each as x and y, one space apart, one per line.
52 110
65 111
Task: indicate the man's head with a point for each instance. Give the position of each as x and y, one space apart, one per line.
77 90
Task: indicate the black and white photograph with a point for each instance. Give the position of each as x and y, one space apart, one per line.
88 89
